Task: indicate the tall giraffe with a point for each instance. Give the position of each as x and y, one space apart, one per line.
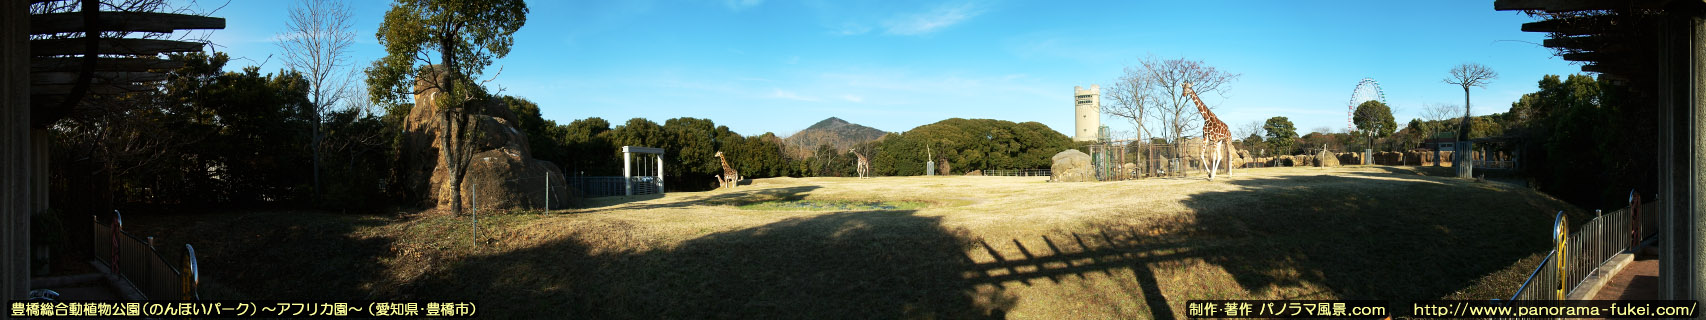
729 177
864 167
1213 132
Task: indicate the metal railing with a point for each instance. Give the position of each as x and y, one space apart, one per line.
1585 250
135 260
1019 172
606 186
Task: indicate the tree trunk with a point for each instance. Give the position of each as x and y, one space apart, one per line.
1457 155
450 152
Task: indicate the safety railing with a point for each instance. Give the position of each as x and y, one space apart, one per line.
136 261
1018 172
1578 254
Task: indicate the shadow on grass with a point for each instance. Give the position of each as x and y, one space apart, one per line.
740 196
1298 237
1369 239
248 255
866 264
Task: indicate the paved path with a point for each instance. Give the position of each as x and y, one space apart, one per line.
1637 281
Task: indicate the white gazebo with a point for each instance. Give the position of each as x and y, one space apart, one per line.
630 163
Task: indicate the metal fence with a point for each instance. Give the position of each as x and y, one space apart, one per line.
602 186
136 261
1586 249
1019 172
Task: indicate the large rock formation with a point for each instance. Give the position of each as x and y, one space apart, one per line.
1326 159
502 173
1072 166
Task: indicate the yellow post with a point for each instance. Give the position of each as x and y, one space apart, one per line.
1561 235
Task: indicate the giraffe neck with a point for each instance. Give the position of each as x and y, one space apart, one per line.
1212 130
725 161
1203 108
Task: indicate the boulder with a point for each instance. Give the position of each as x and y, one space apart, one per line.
975 173
1326 159
502 166
1072 166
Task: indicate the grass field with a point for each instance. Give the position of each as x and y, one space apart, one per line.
909 247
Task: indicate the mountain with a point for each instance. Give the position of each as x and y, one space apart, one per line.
835 132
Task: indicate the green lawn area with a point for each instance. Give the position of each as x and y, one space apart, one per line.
908 247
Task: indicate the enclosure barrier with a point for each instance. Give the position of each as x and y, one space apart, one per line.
137 261
1585 250
1019 172
601 186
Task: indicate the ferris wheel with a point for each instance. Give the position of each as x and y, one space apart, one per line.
1366 90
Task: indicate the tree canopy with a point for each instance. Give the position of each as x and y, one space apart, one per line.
1374 119
1280 134
464 35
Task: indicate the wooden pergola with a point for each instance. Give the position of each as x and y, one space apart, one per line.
1658 48
50 63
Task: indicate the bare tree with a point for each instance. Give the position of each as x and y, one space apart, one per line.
1177 113
1249 129
316 43
1130 96
1437 114
1468 75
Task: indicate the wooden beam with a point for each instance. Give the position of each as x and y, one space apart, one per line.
62 89
58 47
49 23
1583 42
1577 5
50 78
1571 27
1587 56
40 64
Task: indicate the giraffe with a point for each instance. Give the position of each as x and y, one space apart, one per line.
1213 132
864 167
729 176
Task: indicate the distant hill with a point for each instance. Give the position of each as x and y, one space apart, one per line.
835 132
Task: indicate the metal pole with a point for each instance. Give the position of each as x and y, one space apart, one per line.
474 201
547 191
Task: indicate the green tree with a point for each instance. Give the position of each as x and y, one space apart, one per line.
1374 119
1280 134
465 36
544 137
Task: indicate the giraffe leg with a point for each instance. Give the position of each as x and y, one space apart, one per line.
1219 156
1202 155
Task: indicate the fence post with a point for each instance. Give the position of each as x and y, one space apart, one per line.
1560 236
190 274
474 214
547 191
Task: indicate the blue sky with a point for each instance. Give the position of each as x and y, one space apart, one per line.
778 66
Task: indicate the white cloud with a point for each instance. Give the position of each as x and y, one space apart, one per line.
849 29
932 20
852 98
739 5
790 95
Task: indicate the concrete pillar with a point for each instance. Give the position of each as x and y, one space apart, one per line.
1684 153
15 152
659 157
627 173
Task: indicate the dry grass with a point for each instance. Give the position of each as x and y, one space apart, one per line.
978 247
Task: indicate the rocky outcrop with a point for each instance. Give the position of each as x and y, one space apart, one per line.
1072 166
502 173
1326 159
